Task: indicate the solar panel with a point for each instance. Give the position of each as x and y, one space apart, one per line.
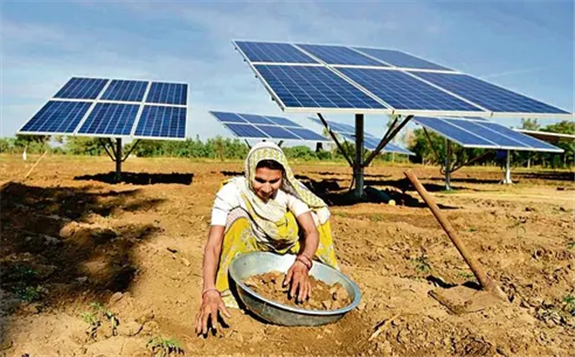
168 93
536 144
306 134
246 131
340 55
402 91
283 121
256 119
400 59
123 90
161 122
272 127
112 119
82 88
486 133
487 95
57 117
277 132
454 133
229 117
483 134
273 52
314 87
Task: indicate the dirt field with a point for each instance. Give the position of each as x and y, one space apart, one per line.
70 240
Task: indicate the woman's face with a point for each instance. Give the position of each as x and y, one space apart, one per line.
267 182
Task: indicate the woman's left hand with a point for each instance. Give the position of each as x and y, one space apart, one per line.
298 277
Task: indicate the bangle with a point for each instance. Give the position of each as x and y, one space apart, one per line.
210 289
305 260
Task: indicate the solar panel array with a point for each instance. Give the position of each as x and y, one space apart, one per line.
370 142
474 133
250 126
114 108
310 77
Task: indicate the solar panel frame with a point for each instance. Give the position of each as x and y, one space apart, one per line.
476 128
277 132
455 133
370 141
82 106
175 121
535 144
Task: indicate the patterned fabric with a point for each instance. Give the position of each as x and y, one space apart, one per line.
269 216
239 239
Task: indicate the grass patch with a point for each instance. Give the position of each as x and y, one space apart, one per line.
164 347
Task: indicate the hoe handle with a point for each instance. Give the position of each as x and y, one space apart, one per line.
483 279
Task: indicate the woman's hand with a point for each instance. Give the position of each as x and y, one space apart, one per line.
211 303
298 277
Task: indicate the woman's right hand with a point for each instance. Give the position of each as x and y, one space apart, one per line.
212 302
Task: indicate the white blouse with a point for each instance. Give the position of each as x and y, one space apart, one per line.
229 197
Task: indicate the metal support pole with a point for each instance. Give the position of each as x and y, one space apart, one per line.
118 159
507 179
448 154
358 163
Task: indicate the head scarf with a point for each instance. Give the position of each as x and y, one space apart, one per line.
270 216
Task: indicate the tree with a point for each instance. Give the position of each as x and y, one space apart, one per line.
529 124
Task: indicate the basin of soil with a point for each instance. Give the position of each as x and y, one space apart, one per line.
322 297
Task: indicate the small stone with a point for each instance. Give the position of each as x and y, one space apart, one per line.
145 316
82 279
240 338
130 328
115 298
68 230
186 262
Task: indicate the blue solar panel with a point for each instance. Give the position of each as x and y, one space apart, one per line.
228 117
82 88
486 133
110 119
400 59
391 147
454 133
340 55
255 119
57 117
526 139
129 91
402 91
488 95
307 134
273 52
168 93
283 121
246 131
161 121
276 132
314 87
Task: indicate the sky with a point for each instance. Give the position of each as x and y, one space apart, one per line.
526 46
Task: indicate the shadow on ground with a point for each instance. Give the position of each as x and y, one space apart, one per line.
55 248
140 178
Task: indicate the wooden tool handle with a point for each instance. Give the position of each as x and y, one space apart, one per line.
483 279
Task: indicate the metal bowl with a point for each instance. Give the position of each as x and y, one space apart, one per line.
246 265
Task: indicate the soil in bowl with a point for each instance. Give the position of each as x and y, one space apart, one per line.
323 296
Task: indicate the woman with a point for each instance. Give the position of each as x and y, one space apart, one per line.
267 210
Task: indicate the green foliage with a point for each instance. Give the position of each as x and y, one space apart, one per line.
79 145
96 316
29 293
421 263
529 124
34 144
569 304
164 347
